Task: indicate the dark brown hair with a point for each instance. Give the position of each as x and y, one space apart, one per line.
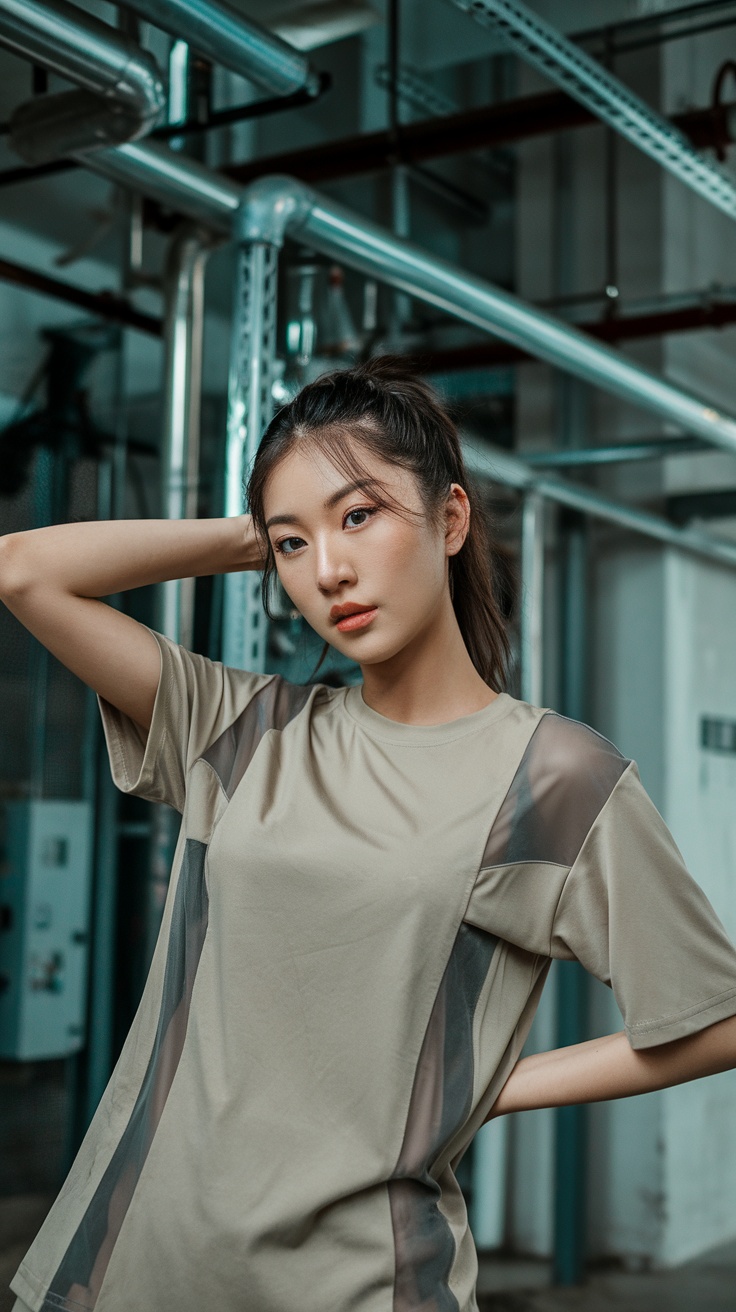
384 407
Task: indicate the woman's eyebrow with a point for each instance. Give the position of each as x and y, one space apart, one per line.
331 501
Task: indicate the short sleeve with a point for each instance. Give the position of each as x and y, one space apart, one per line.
197 699
633 915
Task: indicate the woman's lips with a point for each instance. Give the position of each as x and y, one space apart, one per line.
357 621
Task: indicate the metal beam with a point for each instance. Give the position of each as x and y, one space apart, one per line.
105 305
336 231
654 449
498 467
604 95
457 134
275 207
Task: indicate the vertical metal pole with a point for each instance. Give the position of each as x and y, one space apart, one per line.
570 1145
572 986
179 482
250 406
183 390
532 598
399 180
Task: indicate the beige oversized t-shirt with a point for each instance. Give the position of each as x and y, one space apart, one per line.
360 920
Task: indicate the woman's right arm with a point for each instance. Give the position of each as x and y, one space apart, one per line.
51 579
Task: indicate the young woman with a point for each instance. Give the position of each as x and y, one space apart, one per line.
368 889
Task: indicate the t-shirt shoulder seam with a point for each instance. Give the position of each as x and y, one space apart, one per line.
508 865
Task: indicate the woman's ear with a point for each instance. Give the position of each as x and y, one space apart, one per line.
457 519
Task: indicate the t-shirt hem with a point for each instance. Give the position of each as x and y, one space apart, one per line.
28 1288
649 1033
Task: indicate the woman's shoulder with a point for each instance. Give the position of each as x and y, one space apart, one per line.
565 777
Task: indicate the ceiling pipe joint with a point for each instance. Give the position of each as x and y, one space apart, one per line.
121 95
272 207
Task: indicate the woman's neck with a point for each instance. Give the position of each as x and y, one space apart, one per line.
430 681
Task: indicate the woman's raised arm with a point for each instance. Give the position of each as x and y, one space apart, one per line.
51 579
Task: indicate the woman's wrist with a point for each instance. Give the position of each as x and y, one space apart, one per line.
251 550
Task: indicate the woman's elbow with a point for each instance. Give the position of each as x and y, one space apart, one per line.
13 569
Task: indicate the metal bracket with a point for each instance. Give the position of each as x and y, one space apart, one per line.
250 404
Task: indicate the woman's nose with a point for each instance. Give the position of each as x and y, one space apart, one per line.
333 567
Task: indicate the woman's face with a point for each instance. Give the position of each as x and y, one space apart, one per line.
334 545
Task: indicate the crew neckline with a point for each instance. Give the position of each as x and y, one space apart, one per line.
396 731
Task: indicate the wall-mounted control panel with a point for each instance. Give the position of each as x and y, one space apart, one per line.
45 884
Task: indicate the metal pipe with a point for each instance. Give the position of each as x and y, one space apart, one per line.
609 99
121 93
180 183
329 228
654 449
184 318
499 124
532 598
275 206
496 466
227 37
184 289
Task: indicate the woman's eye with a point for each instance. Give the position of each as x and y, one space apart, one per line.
281 546
361 510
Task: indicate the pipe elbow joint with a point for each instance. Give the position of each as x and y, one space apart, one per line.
271 208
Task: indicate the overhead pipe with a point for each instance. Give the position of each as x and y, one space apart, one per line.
604 95
176 181
275 207
336 231
498 467
224 35
120 93
500 124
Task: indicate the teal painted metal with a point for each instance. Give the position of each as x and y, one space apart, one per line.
224 34
500 467
604 95
570 1139
120 93
273 207
185 185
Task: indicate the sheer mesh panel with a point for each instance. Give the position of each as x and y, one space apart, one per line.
440 1102
565 777
76 1284
271 708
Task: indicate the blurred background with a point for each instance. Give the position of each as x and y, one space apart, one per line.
536 204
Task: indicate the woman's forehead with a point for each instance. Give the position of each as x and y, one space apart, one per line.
313 465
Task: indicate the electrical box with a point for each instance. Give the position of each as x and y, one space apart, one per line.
45 884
